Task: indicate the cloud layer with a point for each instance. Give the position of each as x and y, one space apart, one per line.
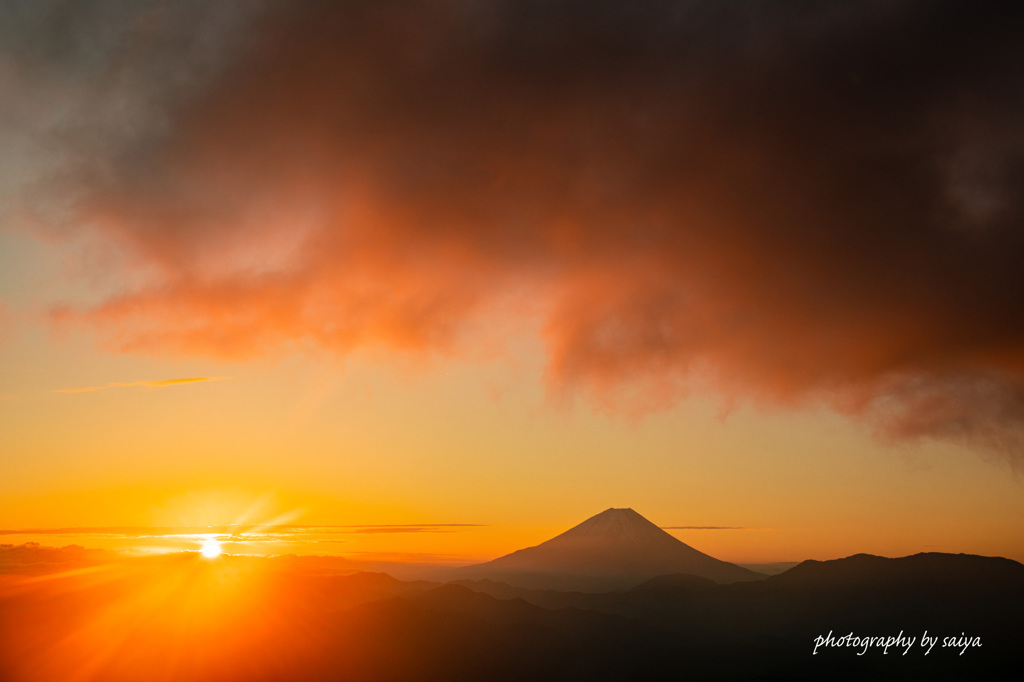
160 383
798 203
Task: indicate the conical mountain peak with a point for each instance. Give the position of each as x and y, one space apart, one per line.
616 548
617 525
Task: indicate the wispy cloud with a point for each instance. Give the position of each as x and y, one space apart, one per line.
432 528
162 383
705 528
240 529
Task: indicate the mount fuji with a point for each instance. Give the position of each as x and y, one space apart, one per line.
616 549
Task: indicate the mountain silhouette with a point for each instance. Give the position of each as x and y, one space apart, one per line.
295 621
908 574
766 629
616 549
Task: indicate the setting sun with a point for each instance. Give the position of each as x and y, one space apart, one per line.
448 340
210 549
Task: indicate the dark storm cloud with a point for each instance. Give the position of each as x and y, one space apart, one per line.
800 202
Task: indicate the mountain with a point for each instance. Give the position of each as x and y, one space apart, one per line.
907 575
171 618
766 630
616 549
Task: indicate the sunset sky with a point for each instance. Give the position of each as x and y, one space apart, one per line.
752 269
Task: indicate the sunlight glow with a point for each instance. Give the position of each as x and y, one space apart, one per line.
211 549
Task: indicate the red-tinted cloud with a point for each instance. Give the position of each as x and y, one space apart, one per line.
813 204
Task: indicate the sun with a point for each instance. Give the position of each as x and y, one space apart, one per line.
210 549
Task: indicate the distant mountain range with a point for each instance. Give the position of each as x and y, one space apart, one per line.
300 619
616 549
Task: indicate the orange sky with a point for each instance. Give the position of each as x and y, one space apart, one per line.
289 271
305 440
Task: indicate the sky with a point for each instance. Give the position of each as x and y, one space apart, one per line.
752 269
